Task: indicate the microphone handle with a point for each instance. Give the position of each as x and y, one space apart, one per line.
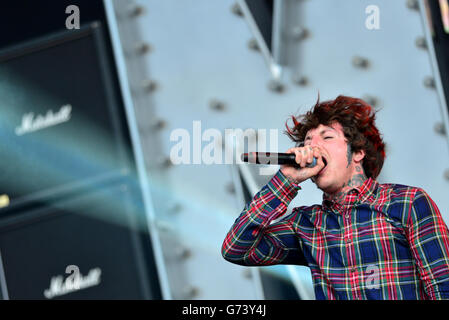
274 158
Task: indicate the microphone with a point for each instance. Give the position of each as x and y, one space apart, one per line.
273 158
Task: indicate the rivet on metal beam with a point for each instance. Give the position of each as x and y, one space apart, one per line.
412 4
421 42
235 9
166 163
217 105
360 62
230 188
300 80
177 207
159 124
429 82
149 85
253 45
446 174
247 274
299 33
276 86
143 48
439 128
137 11
190 292
371 100
183 253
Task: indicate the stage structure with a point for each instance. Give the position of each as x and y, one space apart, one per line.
90 196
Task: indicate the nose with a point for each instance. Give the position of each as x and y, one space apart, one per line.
315 141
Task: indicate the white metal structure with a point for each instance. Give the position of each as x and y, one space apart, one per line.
186 61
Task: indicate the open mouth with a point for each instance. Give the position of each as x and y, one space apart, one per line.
325 162
322 170
325 165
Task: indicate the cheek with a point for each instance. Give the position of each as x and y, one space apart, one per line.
340 155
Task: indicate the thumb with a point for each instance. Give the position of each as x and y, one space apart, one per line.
319 165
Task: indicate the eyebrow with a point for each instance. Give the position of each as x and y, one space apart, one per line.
321 132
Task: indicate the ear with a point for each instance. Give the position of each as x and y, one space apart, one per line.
358 156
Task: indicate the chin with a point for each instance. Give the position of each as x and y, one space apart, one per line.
325 184
321 183
323 187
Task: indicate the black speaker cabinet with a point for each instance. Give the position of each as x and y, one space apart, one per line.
91 246
62 120
75 226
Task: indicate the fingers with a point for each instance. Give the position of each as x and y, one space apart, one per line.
316 152
307 156
320 162
310 155
304 155
298 156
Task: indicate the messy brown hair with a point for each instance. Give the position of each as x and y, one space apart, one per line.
358 121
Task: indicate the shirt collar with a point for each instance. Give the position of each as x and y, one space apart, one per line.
360 194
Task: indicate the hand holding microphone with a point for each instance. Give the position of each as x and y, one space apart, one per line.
297 164
273 158
303 157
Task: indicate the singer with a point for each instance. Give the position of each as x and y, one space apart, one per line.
366 240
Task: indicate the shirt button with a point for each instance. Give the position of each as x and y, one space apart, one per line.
348 240
353 269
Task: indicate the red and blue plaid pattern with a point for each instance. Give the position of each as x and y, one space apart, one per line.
386 241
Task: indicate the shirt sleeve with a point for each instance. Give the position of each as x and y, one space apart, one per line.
253 240
429 242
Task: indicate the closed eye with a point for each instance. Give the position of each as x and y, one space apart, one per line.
327 138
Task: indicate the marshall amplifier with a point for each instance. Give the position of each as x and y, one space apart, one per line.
72 220
63 123
93 246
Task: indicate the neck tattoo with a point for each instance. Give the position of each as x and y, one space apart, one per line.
356 180
349 155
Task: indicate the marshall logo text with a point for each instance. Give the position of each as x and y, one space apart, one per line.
31 123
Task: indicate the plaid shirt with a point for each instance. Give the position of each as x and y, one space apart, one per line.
384 241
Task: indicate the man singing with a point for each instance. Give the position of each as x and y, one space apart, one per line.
366 240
